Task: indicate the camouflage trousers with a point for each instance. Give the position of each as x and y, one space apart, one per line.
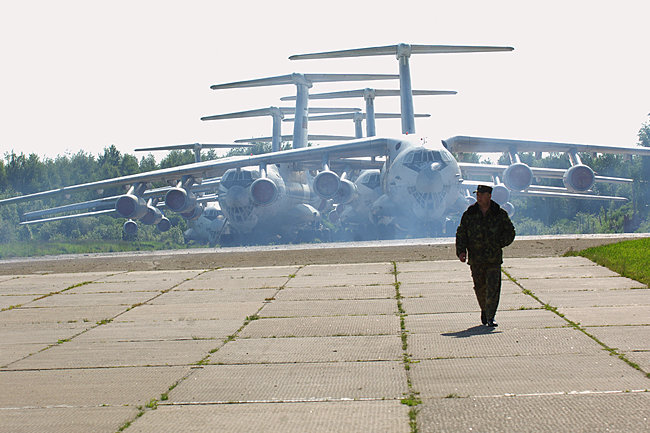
487 286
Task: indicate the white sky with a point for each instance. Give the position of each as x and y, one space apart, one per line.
82 74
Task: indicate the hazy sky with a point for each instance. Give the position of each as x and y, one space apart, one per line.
87 74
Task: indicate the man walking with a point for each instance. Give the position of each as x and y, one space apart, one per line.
484 230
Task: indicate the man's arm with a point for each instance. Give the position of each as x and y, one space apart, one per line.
461 239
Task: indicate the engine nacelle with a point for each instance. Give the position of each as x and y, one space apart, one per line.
263 191
508 207
346 193
164 224
131 206
326 184
180 200
130 227
153 216
500 194
193 214
579 178
518 176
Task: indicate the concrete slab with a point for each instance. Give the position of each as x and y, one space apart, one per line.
608 316
119 287
87 387
293 382
43 333
89 315
215 296
165 278
82 354
442 276
522 273
380 291
180 312
432 267
250 272
13 301
539 286
340 280
309 349
231 282
312 417
322 326
93 299
339 269
483 342
450 304
66 419
625 338
465 322
544 262
621 412
161 330
642 359
500 376
328 308
44 284
14 352
420 290
597 298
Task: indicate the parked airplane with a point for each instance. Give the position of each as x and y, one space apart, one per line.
409 183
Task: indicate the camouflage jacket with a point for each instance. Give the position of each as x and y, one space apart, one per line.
483 236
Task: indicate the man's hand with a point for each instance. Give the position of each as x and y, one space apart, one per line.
463 257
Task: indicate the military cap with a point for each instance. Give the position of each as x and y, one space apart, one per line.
484 188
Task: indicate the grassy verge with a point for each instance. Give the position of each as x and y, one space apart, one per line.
629 258
33 248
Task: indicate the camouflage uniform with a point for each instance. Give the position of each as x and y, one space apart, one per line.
483 237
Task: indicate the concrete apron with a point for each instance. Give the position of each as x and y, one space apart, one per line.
325 348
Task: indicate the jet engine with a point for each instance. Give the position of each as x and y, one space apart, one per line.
193 214
130 227
131 206
263 191
326 184
579 178
518 176
153 216
500 194
508 207
164 224
346 193
180 200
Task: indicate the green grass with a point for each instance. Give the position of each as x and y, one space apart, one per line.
43 248
630 258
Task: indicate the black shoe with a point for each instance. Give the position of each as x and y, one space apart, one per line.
492 324
483 318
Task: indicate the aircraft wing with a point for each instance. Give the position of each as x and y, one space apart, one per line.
472 169
467 144
366 147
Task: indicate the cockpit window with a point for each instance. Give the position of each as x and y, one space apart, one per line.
415 159
371 181
241 178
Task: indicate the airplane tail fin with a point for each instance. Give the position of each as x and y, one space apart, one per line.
402 52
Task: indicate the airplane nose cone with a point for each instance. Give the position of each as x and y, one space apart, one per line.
236 196
429 180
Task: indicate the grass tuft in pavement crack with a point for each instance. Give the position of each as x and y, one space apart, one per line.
412 400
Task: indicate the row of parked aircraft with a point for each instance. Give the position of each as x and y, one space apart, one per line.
372 185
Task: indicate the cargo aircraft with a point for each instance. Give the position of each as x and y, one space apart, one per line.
408 183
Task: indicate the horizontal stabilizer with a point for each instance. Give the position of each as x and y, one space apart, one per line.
353 115
290 138
361 92
482 144
395 49
306 79
273 110
189 146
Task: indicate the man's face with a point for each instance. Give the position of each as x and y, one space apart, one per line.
483 198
